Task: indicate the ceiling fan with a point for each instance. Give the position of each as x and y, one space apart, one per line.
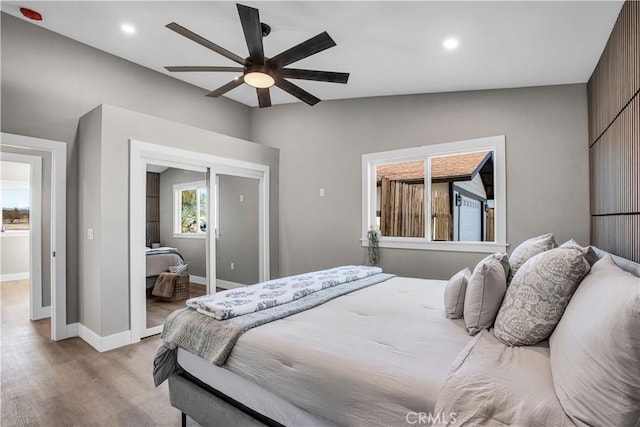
259 71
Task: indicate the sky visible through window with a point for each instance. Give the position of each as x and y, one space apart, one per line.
15 198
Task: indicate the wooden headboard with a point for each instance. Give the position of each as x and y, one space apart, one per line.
153 208
614 139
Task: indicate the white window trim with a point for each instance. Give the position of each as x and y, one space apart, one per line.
372 160
177 210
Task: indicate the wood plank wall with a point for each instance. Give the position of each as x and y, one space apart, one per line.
153 208
614 139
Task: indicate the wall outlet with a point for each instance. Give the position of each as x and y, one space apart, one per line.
242 197
233 266
90 233
322 192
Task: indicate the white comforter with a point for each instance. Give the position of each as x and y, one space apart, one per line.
375 357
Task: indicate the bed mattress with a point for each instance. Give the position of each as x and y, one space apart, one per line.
367 358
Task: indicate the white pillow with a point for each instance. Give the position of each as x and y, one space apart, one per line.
485 291
595 349
454 294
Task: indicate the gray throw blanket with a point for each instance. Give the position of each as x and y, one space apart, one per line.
213 339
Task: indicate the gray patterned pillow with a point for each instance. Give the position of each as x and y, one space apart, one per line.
538 295
527 249
454 294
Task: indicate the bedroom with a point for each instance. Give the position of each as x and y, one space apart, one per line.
547 160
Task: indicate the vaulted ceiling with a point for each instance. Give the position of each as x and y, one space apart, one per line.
390 48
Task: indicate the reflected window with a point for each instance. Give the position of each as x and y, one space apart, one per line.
190 208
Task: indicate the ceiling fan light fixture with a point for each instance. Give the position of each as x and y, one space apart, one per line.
259 79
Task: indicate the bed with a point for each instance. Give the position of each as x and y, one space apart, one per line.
158 261
382 355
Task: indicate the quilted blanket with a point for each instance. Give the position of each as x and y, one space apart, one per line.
214 339
236 302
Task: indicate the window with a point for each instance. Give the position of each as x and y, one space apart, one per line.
15 207
448 196
190 203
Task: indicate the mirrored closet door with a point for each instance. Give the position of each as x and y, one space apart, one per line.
177 218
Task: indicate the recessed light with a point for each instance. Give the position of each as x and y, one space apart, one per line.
128 29
451 43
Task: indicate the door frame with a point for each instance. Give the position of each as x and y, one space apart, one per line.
37 310
58 150
140 155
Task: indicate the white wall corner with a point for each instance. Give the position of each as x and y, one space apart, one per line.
103 344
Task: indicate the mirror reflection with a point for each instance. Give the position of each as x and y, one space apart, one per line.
176 225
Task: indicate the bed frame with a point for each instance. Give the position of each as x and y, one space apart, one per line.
210 407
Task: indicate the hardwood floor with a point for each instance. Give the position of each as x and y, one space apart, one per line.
158 309
68 383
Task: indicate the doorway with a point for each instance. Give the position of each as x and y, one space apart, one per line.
21 237
47 244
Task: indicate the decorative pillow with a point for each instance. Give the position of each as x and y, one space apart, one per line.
528 249
179 269
485 291
538 295
595 349
454 294
587 251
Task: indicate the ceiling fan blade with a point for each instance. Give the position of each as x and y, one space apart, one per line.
297 91
264 97
204 42
226 88
198 68
307 48
321 76
250 19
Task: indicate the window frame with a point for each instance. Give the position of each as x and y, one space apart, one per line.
423 153
177 209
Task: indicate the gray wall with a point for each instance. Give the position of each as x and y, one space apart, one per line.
193 250
46 221
547 167
110 248
238 242
48 81
89 207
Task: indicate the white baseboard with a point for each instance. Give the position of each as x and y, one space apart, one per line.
72 330
225 284
42 313
14 276
103 344
198 280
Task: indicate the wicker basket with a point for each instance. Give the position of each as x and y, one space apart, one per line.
181 289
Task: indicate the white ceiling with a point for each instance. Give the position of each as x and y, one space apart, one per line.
389 48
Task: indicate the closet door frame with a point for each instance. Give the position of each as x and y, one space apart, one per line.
144 153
